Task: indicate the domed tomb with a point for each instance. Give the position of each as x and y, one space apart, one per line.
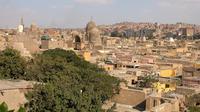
90 26
93 34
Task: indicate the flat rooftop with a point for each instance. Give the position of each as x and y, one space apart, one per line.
15 84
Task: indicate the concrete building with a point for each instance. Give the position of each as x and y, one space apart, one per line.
186 32
13 92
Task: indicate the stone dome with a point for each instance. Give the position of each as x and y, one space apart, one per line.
90 26
94 34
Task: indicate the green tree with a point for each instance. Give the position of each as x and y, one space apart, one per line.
194 109
4 108
192 103
70 84
21 109
12 65
148 81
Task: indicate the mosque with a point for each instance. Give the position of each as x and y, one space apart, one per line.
89 40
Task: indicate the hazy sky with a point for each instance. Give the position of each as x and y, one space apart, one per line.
76 13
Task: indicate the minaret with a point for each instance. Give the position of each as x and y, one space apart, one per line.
22 21
21 26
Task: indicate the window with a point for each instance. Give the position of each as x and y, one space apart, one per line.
133 82
167 86
154 103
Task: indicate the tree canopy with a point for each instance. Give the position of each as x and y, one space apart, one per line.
12 65
67 83
70 84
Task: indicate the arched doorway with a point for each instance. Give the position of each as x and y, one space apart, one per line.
77 43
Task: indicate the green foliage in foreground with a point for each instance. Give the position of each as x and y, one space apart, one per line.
70 83
4 108
194 109
192 101
12 65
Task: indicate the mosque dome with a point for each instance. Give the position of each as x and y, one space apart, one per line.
33 24
45 37
90 26
94 34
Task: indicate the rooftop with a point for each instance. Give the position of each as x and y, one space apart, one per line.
15 84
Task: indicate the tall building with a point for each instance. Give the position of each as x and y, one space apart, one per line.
21 26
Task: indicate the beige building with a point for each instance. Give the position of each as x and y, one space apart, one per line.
186 31
13 92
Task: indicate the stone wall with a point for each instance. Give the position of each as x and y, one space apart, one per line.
12 92
13 98
129 97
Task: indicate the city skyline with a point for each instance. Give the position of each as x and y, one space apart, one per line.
76 13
